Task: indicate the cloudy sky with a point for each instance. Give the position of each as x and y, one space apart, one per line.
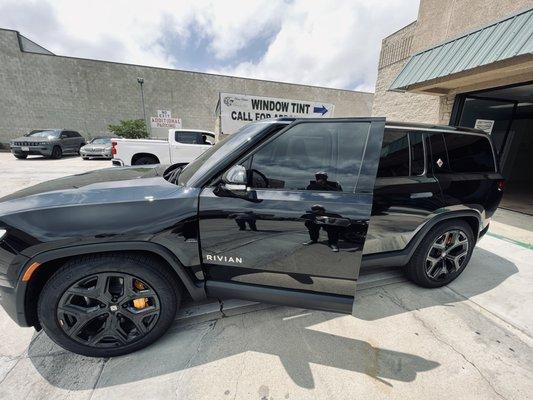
332 43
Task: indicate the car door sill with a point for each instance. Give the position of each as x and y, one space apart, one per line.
288 297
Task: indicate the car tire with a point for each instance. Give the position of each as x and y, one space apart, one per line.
439 259
85 158
21 156
146 160
119 334
57 153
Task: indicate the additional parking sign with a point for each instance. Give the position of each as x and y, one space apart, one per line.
237 110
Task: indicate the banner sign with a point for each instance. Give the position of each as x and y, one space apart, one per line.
237 110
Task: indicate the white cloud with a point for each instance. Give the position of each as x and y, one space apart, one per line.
330 43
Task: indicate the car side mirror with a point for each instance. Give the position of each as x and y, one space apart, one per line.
235 178
234 185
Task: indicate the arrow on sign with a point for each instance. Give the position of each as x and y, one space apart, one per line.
320 110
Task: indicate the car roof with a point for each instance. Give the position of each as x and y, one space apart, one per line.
193 130
416 125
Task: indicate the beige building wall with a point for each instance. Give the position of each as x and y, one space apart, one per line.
47 91
438 21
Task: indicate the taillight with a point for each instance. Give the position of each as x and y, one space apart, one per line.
113 148
501 185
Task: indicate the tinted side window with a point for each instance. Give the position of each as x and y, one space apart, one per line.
439 153
189 137
394 159
417 153
461 153
469 153
292 160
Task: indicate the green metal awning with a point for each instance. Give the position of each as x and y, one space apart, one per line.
502 40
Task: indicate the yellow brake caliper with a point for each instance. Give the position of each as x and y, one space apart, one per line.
142 302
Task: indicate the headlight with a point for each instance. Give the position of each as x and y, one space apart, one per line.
2 233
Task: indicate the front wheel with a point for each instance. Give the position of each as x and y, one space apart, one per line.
57 153
21 156
108 305
442 255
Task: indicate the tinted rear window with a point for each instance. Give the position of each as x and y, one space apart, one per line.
402 154
462 153
394 159
190 137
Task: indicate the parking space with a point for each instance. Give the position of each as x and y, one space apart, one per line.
18 174
470 340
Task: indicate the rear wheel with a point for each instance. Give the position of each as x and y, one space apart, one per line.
108 305
442 255
146 160
57 152
21 156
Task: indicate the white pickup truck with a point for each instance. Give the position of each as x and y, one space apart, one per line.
183 145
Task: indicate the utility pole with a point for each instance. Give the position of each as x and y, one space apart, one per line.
140 81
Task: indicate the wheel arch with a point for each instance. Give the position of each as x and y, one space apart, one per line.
136 156
51 261
402 257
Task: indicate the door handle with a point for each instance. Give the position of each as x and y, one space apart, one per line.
421 195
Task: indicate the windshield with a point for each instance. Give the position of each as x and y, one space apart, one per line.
219 151
101 141
44 134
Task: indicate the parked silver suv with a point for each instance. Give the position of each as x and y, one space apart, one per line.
52 143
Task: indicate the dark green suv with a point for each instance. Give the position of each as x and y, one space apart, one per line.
51 143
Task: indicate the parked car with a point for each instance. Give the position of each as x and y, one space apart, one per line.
99 147
183 145
284 211
51 143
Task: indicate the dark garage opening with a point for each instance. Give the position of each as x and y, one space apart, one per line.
511 109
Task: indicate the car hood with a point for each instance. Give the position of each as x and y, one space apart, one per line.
31 139
100 186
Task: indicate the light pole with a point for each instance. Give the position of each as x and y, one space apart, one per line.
140 81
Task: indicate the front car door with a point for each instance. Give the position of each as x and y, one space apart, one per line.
297 236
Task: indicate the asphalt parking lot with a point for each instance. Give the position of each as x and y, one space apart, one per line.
470 340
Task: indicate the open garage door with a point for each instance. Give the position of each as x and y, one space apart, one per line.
507 114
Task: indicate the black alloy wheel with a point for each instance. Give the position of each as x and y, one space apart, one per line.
442 255
108 310
447 255
109 304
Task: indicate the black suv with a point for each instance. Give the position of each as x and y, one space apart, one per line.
284 211
51 143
